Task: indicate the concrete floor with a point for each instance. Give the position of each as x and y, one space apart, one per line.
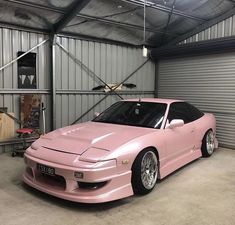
201 193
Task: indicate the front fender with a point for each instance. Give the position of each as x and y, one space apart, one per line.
126 154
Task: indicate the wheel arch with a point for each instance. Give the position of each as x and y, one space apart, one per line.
204 149
149 147
136 180
206 131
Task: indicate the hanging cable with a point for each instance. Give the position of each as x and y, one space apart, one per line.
145 50
144 19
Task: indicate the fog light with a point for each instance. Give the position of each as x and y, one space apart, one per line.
78 175
89 186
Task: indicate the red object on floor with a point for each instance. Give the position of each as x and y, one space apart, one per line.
24 131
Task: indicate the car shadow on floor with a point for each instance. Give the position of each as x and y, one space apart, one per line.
94 207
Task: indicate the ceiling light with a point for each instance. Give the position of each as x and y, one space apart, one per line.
145 51
119 6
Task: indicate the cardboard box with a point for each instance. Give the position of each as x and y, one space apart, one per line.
7 126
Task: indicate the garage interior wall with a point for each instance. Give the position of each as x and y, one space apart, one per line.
206 81
74 95
112 63
12 41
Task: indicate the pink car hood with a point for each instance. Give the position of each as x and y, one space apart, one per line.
78 138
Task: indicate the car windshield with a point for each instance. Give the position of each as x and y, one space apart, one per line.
142 114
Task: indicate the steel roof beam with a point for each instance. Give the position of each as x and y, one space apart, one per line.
79 15
74 8
116 23
163 9
23 27
34 5
97 39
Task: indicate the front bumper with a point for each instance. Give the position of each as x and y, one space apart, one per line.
64 185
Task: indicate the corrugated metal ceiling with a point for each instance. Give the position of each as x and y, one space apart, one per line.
116 20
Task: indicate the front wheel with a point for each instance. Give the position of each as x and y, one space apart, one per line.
144 172
208 144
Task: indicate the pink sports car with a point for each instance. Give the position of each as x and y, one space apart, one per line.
123 151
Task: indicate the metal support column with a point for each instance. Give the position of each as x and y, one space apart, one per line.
156 81
53 77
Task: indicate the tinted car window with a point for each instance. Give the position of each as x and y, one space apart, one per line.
194 112
143 114
184 111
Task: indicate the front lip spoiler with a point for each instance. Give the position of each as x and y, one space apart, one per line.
120 191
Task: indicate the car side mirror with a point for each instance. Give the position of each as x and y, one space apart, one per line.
96 114
175 123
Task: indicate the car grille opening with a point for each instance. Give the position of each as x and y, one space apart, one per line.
57 182
91 186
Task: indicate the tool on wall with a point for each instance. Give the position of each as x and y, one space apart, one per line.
112 86
43 108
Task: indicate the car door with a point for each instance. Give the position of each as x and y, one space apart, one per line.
179 140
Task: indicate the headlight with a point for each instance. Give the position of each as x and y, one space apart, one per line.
94 155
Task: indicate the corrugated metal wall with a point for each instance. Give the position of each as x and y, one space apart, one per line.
207 82
73 85
12 41
225 28
111 63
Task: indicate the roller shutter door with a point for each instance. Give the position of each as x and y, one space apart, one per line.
208 82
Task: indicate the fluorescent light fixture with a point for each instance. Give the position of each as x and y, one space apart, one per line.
145 51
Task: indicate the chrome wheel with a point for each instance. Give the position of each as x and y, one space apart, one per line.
210 143
149 170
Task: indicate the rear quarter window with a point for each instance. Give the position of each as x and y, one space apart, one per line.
185 111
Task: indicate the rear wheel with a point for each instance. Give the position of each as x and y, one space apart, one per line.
144 172
208 144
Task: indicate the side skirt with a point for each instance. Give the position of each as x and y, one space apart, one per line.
179 162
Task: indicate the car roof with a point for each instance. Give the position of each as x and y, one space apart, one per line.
156 100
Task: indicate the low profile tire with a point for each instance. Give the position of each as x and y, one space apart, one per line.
208 144
144 172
